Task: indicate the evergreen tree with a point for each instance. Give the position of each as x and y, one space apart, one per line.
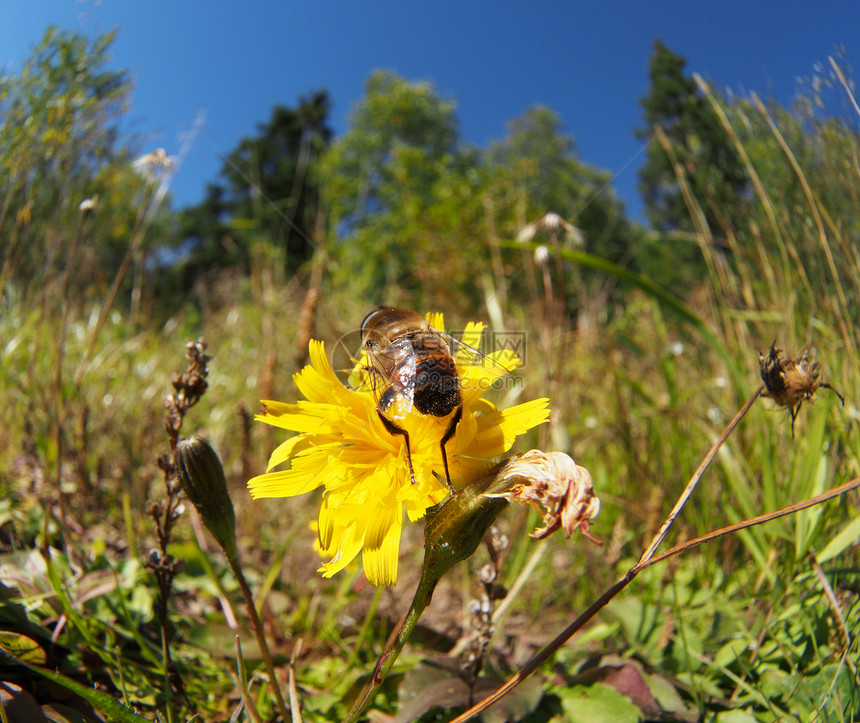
383 180
266 190
699 143
537 160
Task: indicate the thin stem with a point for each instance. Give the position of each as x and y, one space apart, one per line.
257 624
837 613
610 593
295 708
137 237
697 475
423 595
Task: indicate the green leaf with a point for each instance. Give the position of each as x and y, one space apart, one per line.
834 691
22 647
735 716
598 702
669 699
843 540
730 652
110 706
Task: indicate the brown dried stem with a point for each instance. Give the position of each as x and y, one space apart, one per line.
649 558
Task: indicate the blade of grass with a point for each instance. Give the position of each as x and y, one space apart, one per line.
103 702
844 312
653 290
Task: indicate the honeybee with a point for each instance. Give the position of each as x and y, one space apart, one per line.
411 365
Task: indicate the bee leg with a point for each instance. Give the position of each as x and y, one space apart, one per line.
395 430
452 427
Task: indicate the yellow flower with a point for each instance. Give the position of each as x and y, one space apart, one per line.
343 446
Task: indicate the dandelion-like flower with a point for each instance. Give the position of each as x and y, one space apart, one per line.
343 446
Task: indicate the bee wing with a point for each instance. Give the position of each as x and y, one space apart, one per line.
392 377
497 365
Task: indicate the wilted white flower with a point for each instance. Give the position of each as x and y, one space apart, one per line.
551 223
553 480
152 163
88 204
541 255
676 348
715 414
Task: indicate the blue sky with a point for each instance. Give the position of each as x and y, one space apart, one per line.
226 64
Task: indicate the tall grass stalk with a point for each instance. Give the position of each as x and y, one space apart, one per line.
648 559
842 312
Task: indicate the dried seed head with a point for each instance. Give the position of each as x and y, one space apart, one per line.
793 380
88 205
555 482
153 162
551 223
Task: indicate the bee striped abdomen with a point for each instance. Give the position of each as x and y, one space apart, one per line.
437 384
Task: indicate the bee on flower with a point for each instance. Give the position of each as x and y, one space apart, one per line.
381 457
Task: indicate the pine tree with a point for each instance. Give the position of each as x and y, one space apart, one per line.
266 190
699 144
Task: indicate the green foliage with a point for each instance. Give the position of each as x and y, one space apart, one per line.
383 177
536 165
267 194
690 160
698 144
60 144
416 216
756 626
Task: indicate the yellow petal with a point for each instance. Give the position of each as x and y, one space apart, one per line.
284 451
436 320
498 429
340 537
288 483
471 336
382 544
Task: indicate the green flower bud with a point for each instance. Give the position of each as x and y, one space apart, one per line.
203 480
456 529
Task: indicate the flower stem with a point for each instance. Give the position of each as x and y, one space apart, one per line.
452 535
257 624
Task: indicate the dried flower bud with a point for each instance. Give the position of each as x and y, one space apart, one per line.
552 480
790 382
202 477
487 573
